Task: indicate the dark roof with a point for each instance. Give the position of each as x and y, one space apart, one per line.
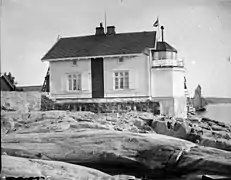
100 45
163 46
12 86
29 88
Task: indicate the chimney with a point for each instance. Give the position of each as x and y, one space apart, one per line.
99 30
110 30
162 33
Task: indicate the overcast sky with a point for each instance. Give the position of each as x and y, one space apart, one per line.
199 29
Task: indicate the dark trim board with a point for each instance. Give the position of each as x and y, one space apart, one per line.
97 76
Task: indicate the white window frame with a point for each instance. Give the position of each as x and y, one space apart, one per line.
74 82
121 80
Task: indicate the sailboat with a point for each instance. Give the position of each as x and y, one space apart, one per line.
199 103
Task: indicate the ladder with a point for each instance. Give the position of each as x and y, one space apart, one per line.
45 87
190 107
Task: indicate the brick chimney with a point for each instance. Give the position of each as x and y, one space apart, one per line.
110 30
162 33
99 30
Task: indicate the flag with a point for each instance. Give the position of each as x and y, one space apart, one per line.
156 24
157 37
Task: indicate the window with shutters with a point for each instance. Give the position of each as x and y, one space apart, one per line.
121 80
74 82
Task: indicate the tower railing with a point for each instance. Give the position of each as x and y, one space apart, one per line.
168 63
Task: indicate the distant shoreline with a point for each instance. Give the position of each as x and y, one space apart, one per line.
215 100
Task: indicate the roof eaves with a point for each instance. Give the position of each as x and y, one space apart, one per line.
89 57
167 50
43 58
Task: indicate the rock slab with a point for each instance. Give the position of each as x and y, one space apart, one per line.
115 152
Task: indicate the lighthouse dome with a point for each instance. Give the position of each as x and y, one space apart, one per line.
163 46
164 51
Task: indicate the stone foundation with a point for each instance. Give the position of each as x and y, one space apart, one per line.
35 101
167 107
173 106
101 107
180 107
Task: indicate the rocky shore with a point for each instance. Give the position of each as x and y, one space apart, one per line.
85 145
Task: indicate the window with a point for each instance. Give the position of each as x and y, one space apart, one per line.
74 62
161 55
74 82
121 80
121 59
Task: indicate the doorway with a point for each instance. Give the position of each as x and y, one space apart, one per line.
97 76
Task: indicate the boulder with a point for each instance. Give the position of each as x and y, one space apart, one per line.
138 122
89 125
219 143
134 129
177 129
211 133
218 128
83 116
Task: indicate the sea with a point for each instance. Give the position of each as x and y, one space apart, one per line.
218 112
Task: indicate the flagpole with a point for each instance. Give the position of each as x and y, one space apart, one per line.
1 9
105 19
158 38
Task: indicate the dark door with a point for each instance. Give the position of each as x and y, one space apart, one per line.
97 78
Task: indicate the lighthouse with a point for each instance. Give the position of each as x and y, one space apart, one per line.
167 79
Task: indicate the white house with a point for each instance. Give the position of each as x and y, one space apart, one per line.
117 66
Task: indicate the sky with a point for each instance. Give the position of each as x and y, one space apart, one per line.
199 29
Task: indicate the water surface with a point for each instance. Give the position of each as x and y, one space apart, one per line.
219 112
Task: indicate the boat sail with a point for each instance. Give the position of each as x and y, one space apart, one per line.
199 103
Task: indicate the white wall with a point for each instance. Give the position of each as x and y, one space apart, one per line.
59 71
167 82
161 82
138 76
168 89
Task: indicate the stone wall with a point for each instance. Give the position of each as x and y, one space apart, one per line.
46 103
99 107
20 101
